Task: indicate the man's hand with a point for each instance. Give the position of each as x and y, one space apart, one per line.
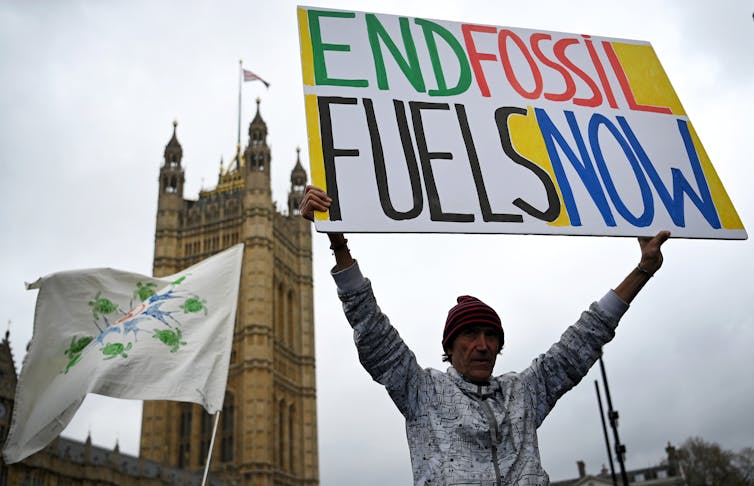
651 256
315 199
651 261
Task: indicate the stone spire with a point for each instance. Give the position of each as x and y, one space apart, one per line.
256 157
171 173
173 150
298 184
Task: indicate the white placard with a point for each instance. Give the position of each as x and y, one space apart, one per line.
429 126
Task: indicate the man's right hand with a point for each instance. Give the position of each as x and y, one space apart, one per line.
315 199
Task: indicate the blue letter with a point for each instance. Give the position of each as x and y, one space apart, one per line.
674 204
585 169
645 219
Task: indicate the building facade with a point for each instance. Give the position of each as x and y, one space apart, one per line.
267 433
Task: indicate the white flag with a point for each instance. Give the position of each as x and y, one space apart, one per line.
124 335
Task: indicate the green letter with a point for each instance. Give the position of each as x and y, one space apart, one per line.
410 68
319 48
464 78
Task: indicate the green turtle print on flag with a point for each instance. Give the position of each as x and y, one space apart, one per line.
102 306
195 304
74 350
144 290
171 338
124 335
115 338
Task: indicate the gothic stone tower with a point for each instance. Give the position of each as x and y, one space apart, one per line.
8 382
268 427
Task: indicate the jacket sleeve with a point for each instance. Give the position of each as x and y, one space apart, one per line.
563 366
381 350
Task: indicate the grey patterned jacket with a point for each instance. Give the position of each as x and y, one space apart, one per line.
460 433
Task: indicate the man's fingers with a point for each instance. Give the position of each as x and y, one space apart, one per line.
316 191
655 241
317 205
662 237
318 201
315 199
651 254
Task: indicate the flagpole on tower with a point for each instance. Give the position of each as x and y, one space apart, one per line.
243 76
238 140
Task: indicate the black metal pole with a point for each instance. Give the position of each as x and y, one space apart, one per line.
612 415
604 432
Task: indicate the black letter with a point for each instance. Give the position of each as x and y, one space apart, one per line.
379 162
329 152
553 210
481 190
425 157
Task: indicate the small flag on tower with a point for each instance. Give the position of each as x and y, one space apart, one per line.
250 76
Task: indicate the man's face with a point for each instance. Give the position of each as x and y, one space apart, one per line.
474 351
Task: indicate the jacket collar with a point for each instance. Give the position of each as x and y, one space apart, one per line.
473 389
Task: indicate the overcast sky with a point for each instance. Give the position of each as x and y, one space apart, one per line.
88 94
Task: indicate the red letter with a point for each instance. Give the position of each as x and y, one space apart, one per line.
570 85
475 56
559 50
600 72
502 46
625 87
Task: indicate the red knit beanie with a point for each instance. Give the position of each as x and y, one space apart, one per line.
469 311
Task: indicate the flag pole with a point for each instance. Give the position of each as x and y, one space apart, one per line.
238 140
612 415
211 446
604 431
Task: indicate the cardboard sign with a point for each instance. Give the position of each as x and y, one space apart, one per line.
429 126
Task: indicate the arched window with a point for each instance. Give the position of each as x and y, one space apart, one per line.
291 438
295 204
227 417
205 436
279 323
289 321
184 437
281 435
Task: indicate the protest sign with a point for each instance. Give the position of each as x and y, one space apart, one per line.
419 125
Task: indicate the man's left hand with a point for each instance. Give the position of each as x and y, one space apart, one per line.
651 255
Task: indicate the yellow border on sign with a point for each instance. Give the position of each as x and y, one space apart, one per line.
316 159
307 58
728 216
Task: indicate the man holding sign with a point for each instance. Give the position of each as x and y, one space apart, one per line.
465 426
